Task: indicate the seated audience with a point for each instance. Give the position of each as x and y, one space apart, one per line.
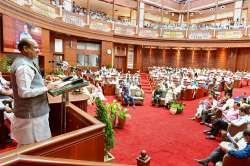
237 152
228 88
227 117
157 95
128 99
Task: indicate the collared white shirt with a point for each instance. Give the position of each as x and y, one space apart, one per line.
240 121
24 76
229 104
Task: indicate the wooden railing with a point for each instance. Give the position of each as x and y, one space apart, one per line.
177 34
28 160
100 25
125 30
200 34
74 19
43 8
83 140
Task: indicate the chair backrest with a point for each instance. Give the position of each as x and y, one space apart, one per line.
133 92
232 161
163 94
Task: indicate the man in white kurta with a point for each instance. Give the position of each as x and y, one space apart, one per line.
31 114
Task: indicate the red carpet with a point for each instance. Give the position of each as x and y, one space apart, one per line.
170 140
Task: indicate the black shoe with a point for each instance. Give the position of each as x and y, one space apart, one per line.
9 141
202 162
206 131
209 133
209 125
192 118
210 137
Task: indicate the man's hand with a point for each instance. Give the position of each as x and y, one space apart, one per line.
236 146
52 86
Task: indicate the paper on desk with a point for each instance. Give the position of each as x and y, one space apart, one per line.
231 138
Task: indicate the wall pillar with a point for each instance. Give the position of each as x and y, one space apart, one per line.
248 13
237 10
46 52
106 54
138 58
70 50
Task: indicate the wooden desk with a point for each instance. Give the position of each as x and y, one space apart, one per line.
187 94
109 89
80 100
237 84
2 134
55 115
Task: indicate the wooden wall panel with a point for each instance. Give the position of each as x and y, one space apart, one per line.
163 60
198 58
171 58
120 49
156 57
120 63
70 50
46 52
159 59
243 59
232 59
105 58
1 34
188 58
145 58
138 57
221 60
181 56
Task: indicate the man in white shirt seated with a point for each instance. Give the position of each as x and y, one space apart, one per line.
5 89
229 103
238 147
227 117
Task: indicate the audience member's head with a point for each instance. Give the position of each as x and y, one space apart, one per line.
243 111
246 134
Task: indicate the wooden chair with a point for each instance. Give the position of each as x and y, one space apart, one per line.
237 84
199 93
243 82
233 130
232 161
138 96
188 94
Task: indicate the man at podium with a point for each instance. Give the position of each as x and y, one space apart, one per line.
31 114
